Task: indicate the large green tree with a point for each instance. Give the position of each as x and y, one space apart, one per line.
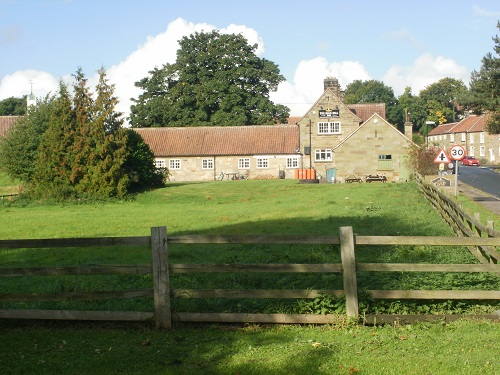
413 107
217 79
19 148
54 164
373 91
13 106
105 144
485 87
441 99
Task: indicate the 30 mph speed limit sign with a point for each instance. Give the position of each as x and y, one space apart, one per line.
457 152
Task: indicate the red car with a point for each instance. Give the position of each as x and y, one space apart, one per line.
470 160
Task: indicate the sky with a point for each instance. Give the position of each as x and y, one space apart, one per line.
401 43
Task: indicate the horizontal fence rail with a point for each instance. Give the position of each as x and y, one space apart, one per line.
461 222
162 291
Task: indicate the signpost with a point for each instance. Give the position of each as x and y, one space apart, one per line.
457 153
441 157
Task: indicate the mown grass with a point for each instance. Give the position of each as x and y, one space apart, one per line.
242 207
463 347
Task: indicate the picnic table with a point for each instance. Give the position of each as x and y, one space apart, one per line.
231 176
353 179
375 177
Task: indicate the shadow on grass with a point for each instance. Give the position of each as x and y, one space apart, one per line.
117 348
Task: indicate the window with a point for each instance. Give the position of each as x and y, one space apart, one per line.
481 137
207 163
323 155
262 163
160 164
174 164
328 127
384 162
482 151
471 150
463 137
292 162
452 137
244 163
471 137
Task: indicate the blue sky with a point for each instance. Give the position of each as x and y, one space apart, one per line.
398 42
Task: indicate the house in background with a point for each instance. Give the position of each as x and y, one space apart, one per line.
471 134
331 137
203 153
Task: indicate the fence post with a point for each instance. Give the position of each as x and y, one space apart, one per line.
349 271
161 281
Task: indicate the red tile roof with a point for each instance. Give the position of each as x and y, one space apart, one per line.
6 122
366 110
443 129
219 140
292 120
469 124
363 111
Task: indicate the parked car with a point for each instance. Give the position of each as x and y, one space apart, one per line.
470 160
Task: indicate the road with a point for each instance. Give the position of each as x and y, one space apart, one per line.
481 178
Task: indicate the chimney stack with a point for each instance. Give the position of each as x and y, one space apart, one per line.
332 83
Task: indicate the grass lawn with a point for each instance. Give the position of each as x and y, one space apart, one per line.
241 207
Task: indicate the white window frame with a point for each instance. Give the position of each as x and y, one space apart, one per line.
463 137
481 137
323 155
292 162
452 137
174 164
244 163
262 163
207 164
160 164
471 137
482 151
471 150
329 127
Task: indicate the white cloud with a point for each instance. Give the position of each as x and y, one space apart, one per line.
478 11
307 85
426 70
19 83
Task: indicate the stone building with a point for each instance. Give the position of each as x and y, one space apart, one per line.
342 140
207 153
334 139
471 134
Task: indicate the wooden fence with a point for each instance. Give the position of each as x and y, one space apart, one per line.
463 224
162 291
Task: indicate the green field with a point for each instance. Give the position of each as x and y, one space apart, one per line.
243 207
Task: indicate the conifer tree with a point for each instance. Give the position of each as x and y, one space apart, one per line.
106 144
53 170
82 103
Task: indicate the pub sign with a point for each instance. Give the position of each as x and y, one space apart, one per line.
329 113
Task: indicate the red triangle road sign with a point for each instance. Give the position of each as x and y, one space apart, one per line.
442 157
